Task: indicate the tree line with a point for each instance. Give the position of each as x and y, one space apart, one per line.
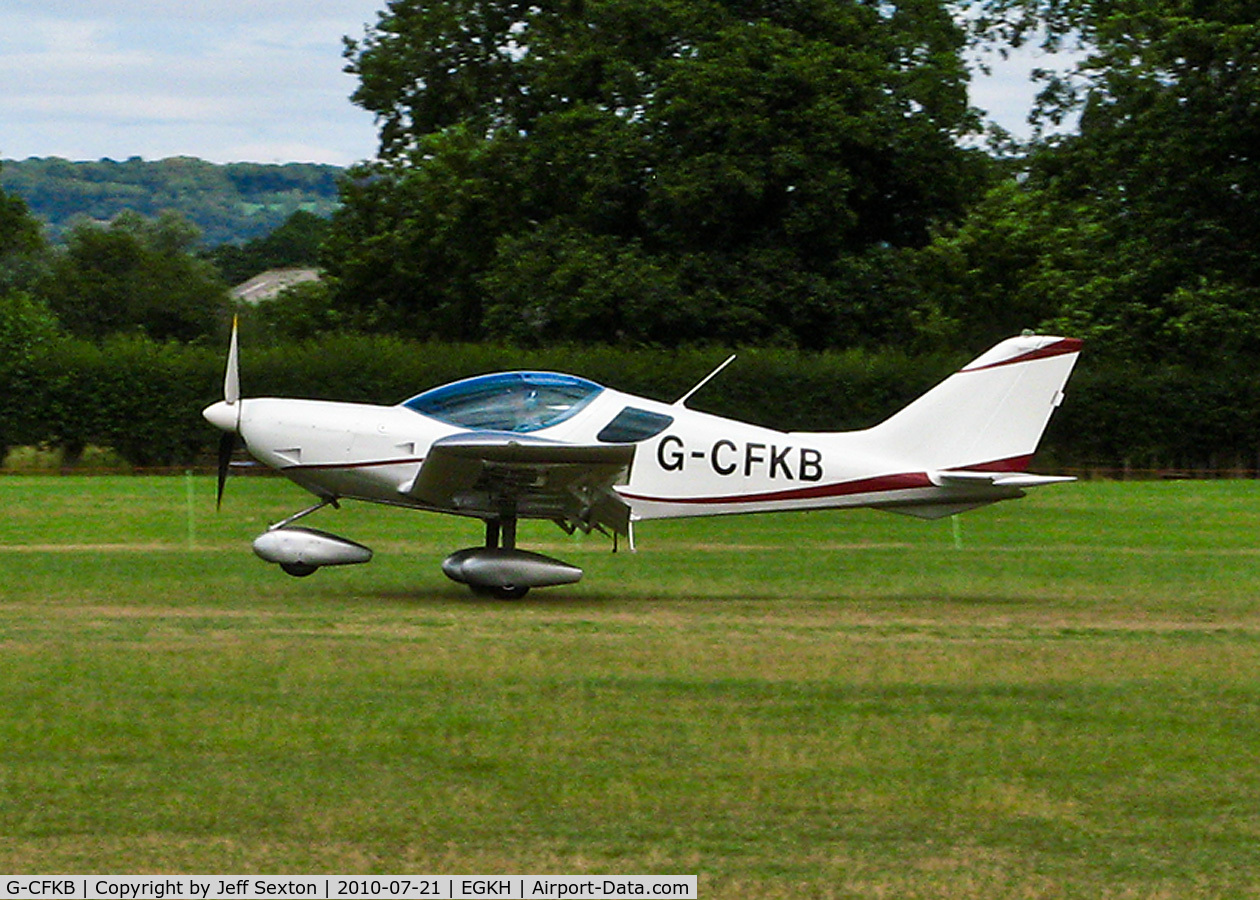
670 176
807 174
142 399
228 204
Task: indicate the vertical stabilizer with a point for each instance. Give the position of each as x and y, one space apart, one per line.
987 416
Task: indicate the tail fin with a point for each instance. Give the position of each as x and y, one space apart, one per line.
989 415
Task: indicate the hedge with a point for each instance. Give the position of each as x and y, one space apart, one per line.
144 399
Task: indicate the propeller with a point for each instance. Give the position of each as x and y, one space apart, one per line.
227 445
227 414
232 377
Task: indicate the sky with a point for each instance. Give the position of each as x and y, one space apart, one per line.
223 80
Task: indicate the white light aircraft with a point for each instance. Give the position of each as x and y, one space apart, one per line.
542 445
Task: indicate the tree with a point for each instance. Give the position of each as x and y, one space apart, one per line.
137 276
597 162
407 246
298 313
22 245
26 324
1139 231
296 242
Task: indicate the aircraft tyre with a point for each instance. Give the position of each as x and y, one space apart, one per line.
507 592
299 570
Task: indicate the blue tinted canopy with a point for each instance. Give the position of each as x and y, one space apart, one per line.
508 401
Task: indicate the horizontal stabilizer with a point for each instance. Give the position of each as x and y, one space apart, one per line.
972 489
964 478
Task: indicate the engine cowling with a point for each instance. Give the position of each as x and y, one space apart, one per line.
300 551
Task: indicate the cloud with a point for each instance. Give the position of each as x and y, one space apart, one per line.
228 80
1007 93
201 12
156 79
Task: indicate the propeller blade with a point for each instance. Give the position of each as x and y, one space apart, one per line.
227 443
232 378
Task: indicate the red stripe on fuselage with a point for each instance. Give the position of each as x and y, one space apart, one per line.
373 464
880 484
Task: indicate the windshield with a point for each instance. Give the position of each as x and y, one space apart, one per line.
510 401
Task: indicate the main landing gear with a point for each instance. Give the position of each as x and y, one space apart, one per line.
500 570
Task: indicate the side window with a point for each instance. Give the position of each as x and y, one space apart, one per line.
632 425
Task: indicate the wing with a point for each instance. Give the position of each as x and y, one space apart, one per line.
492 473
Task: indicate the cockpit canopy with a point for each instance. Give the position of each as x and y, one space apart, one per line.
507 401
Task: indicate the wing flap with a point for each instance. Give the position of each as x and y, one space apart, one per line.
488 472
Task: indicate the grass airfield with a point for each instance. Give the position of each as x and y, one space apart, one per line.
803 706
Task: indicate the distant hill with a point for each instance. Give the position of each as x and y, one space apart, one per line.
230 203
